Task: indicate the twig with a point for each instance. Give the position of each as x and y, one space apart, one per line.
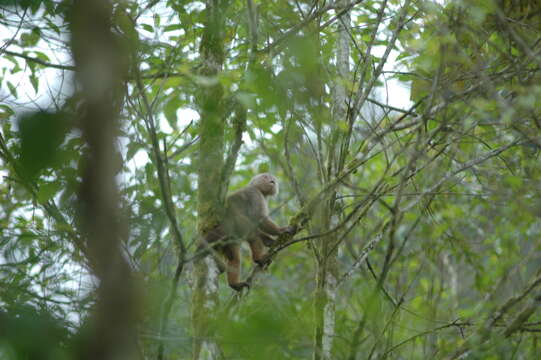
39 61
295 29
164 183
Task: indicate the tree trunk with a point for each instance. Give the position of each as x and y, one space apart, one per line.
325 294
326 248
111 332
211 162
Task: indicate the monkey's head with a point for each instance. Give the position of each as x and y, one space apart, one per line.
266 183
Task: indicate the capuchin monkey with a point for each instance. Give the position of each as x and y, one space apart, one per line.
246 218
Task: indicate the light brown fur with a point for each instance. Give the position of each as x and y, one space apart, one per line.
247 217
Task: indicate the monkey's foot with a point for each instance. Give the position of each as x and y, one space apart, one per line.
239 286
264 263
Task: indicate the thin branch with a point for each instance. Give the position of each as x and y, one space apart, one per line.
424 333
295 29
389 107
516 324
161 168
8 42
183 148
39 61
523 316
362 257
515 300
164 183
239 124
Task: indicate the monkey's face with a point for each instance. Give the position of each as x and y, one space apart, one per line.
266 183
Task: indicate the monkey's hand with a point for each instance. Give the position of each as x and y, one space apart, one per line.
289 230
239 286
264 263
267 240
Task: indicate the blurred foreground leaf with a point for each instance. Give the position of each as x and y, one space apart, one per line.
29 334
41 133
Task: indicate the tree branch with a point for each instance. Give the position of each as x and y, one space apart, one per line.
39 61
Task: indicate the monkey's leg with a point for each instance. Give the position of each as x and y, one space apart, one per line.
213 244
258 251
232 252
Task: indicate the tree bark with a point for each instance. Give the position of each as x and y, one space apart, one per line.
327 269
210 196
111 332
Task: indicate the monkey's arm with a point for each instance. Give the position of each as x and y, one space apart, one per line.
269 227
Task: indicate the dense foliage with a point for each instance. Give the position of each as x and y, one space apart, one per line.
419 210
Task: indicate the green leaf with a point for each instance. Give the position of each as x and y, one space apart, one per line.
170 111
34 80
34 6
133 147
247 99
47 191
173 27
40 134
12 89
41 56
5 111
53 26
147 27
30 38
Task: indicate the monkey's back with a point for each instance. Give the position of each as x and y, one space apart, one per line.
248 201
